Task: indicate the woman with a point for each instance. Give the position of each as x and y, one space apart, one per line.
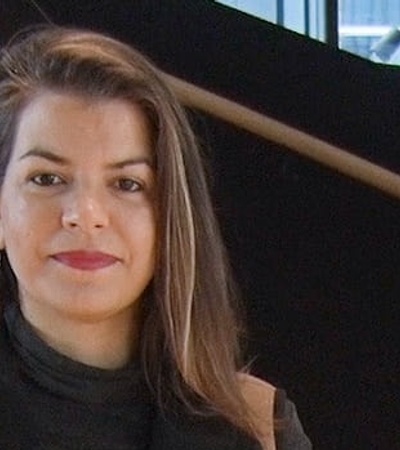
118 327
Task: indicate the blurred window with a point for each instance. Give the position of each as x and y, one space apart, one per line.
367 28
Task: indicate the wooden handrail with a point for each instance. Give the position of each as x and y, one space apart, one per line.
298 141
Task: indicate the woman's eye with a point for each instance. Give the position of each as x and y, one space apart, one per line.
47 179
128 185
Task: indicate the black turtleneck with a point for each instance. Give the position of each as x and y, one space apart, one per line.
50 402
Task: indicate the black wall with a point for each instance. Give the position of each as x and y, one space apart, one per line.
316 254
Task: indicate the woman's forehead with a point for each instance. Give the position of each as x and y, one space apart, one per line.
71 123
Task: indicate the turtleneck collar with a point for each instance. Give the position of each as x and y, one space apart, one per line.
67 377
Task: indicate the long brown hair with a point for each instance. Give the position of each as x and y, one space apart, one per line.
189 338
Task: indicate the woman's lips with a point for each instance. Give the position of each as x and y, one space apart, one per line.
85 260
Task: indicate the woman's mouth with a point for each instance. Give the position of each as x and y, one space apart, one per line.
85 260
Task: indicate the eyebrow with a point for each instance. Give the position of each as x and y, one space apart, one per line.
53 157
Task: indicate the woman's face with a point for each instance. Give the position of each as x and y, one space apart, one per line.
77 207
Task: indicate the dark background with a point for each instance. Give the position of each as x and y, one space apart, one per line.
316 254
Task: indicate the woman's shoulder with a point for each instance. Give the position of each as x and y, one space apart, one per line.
274 415
260 398
289 432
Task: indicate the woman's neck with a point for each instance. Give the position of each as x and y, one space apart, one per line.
107 344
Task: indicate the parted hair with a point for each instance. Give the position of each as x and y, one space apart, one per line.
189 336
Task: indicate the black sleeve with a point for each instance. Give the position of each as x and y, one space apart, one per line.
289 433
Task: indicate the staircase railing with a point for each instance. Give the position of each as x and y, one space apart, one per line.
293 139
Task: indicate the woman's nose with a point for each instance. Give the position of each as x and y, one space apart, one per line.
85 211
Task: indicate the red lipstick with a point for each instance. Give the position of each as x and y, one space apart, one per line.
85 260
